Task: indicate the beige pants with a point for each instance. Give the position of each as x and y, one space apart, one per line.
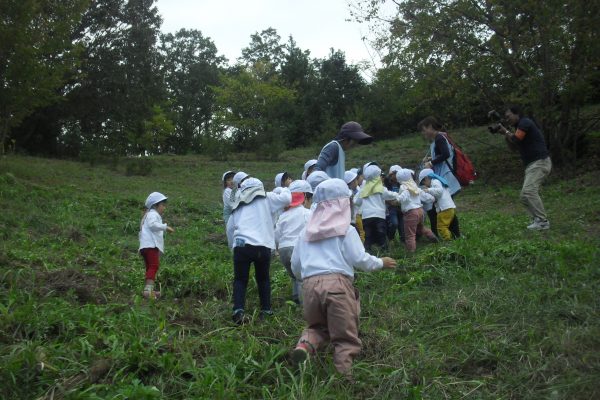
331 309
535 173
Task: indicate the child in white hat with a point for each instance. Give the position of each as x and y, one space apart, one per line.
151 239
445 207
227 189
411 202
288 227
251 233
324 258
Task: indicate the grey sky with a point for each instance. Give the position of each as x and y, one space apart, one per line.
316 25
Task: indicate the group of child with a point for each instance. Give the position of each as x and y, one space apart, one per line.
317 225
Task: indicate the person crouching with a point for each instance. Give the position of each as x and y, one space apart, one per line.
324 258
250 231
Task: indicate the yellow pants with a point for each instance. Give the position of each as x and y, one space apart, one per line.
359 228
444 219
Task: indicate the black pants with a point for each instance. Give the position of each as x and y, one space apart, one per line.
394 223
375 233
242 258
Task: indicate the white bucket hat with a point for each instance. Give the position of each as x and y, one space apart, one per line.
237 178
154 198
349 176
300 186
316 178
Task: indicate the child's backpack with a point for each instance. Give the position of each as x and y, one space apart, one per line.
462 167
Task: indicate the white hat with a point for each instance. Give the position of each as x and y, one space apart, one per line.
371 172
349 176
304 175
394 169
424 173
225 174
404 175
240 176
355 170
316 178
153 198
300 186
309 164
331 189
279 179
251 182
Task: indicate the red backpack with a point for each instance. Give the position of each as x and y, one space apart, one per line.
462 167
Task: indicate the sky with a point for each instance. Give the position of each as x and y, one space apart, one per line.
316 25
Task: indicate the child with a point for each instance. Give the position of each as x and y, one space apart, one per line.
290 223
227 189
309 167
151 239
351 179
324 258
250 232
283 179
411 198
371 199
444 205
394 220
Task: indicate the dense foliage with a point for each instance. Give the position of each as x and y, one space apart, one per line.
84 78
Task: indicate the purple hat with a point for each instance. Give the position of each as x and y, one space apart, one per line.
353 130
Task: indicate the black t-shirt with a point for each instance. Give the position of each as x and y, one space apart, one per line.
530 141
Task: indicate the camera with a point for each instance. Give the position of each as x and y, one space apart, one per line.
496 118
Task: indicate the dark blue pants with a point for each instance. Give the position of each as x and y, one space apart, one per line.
375 233
395 223
242 258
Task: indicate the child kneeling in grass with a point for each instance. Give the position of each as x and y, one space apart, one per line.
152 242
444 205
324 258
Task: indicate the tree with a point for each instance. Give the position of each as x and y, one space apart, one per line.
191 68
35 55
264 54
540 54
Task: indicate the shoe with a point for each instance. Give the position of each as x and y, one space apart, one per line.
239 317
300 354
538 225
151 294
264 314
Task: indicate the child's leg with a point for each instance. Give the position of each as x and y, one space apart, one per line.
380 233
392 222
422 229
285 256
454 228
401 226
444 219
262 264
151 260
369 227
342 320
314 294
411 221
242 257
360 228
433 220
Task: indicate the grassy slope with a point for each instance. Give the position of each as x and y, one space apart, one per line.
503 314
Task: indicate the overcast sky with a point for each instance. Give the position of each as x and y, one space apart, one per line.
316 25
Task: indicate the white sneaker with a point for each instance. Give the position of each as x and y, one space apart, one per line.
538 225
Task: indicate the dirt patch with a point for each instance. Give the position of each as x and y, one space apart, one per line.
86 288
216 237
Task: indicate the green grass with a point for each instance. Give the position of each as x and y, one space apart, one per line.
504 313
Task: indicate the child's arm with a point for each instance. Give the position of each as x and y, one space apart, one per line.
155 222
295 261
355 254
403 194
436 189
279 201
357 199
426 197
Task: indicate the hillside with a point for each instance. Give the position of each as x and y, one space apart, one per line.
502 313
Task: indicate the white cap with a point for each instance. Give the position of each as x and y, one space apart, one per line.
355 170
309 164
279 179
424 173
153 198
394 169
316 178
225 174
349 176
237 178
300 186
371 172
403 175
304 175
331 189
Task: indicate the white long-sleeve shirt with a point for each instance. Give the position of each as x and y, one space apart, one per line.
443 199
373 206
335 255
253 223
409 201
289 226
152 230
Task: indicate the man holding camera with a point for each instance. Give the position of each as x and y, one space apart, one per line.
529 141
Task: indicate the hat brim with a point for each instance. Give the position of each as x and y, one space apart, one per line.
360 137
